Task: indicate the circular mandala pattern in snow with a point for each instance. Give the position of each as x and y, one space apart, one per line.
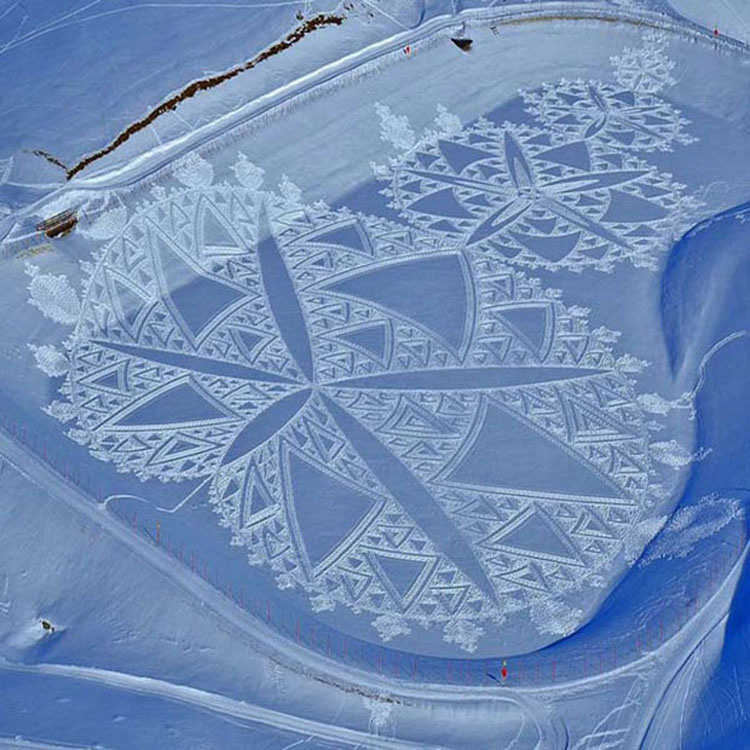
609 116
392 420
537 198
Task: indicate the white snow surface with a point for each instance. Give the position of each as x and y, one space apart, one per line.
147 653
728 17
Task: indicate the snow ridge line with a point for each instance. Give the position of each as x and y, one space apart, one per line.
204 84
351 68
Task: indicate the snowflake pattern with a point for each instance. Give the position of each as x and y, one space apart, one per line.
609 116
646 69
292 353
569 192
536 198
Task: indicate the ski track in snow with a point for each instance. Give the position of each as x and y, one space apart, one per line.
297 659
728 17
150 162
215 703
69 19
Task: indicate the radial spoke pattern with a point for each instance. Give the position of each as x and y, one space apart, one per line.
428 468
394 417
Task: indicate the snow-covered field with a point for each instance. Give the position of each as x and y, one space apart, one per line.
730 17
384 394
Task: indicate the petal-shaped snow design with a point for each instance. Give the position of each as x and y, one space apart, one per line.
614 117
520 170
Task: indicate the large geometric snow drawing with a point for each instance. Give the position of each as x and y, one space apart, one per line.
396 421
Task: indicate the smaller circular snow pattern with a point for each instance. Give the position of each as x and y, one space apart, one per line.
610 116
645 69
422 468
537 198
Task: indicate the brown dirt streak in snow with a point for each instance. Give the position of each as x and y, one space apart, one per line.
51 159
293 37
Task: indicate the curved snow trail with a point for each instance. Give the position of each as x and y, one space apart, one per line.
677 673
697 631
264 640
123 496
708 356
359 63
215 703
311 665
729 17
